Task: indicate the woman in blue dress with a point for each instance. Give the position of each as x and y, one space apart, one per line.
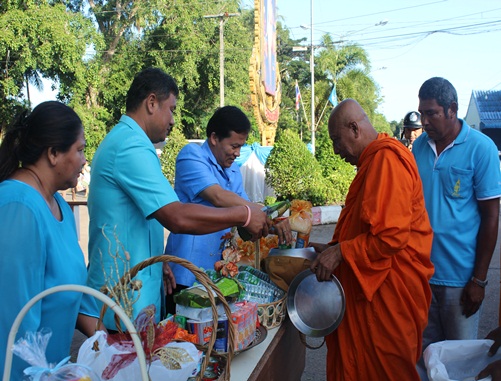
41 153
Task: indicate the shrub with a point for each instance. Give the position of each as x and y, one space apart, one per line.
293 172
175 142
338 173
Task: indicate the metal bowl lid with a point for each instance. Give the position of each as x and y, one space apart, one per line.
306 253
315 308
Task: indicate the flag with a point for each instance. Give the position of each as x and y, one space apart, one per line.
333 96
298 96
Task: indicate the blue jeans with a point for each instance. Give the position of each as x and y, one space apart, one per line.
446 320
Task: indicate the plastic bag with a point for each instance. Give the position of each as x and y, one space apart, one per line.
96 353
31 348
458 360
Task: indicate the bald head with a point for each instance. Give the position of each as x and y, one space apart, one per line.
350 130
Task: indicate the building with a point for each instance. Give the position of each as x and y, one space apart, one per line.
484 114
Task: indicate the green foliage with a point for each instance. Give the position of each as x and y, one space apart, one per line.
381 124
294 173
39 40
175 142
397 128
94 121
338 173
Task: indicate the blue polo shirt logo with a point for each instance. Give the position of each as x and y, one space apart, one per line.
457 189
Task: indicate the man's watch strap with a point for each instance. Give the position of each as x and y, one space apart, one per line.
481 283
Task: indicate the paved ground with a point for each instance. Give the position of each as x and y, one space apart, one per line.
315 359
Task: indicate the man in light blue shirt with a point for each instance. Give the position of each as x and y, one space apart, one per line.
208 175
130 201
459 168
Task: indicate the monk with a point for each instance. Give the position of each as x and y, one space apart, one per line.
380 252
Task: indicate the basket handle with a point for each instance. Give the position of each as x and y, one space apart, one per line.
204 279
86 290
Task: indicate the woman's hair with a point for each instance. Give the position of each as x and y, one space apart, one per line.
51 124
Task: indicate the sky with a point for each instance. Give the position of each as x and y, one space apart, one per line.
459 40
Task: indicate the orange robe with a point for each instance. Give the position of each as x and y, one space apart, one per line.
385 239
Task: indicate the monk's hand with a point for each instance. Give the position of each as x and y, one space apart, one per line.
493 370
472 298
169 279
495 335
319 247
326 262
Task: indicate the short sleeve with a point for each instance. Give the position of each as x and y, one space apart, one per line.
193 171
138 172
487 178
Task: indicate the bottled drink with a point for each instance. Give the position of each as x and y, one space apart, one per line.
272 211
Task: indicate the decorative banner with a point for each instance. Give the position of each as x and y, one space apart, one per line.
269 48
264 74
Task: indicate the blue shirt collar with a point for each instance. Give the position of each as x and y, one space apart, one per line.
213 160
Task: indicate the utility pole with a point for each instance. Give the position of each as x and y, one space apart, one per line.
312 63
223 17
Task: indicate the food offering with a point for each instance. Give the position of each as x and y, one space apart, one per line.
300 221
113 356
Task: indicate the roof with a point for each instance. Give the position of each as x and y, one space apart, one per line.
489 108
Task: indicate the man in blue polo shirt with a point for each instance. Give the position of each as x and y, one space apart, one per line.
459 168
208 175
130 201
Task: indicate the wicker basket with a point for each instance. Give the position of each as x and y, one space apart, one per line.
203 279
272 315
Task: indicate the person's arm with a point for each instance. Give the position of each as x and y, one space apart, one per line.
87 324
493 369
494 335
326 262
319 247
198 219
474 294
220 197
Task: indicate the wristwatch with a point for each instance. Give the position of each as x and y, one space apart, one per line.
481 283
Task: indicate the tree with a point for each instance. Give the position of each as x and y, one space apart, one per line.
294 173
39 39
338 173
175 142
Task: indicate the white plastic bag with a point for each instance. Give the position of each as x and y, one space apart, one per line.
96 354
458 360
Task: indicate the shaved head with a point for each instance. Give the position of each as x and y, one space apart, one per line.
350 130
